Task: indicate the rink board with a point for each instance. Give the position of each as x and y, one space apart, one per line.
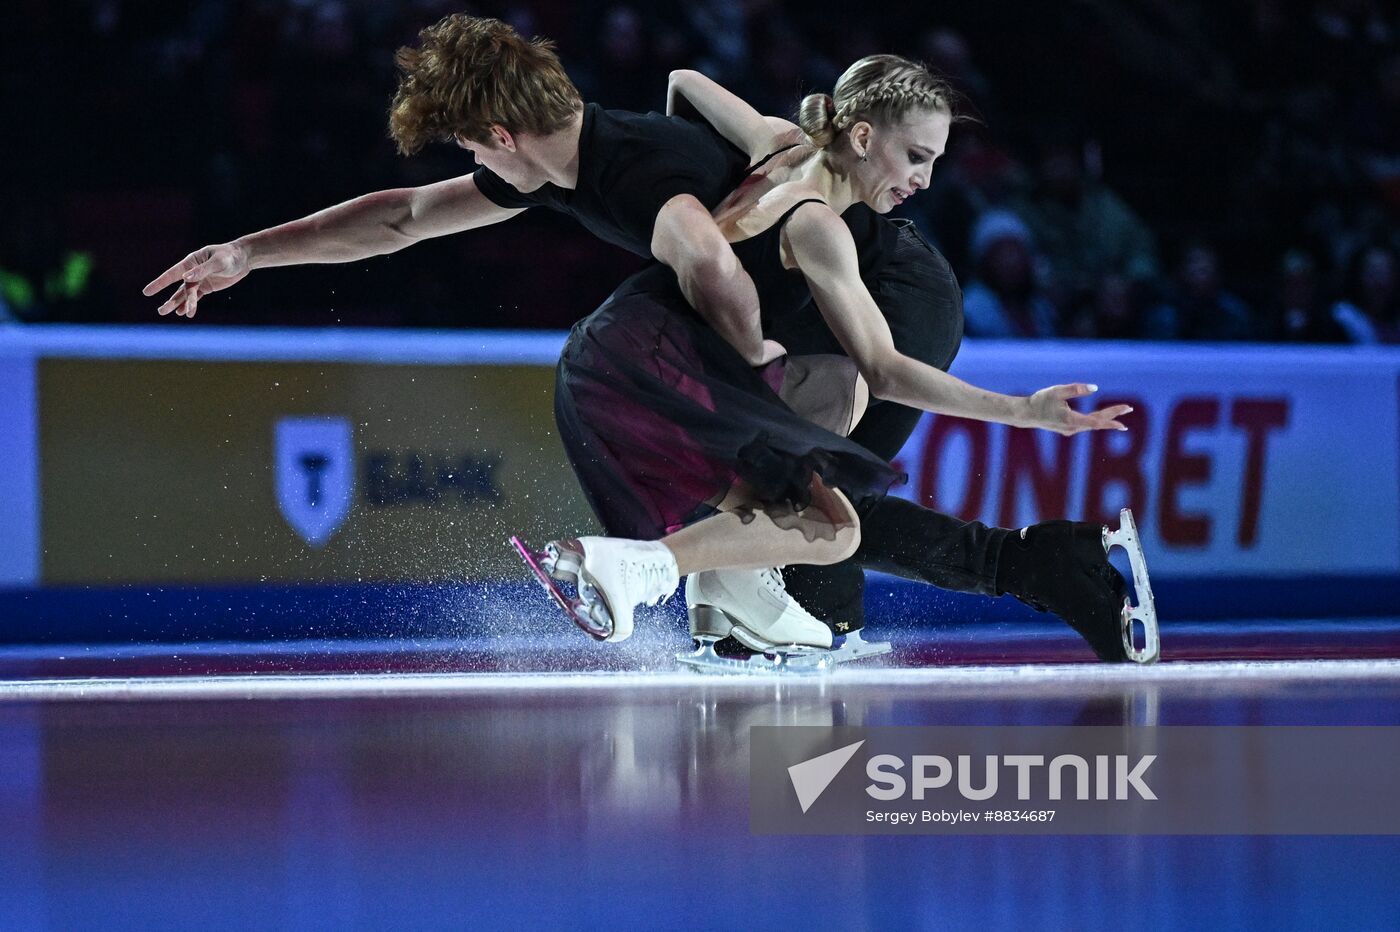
188 457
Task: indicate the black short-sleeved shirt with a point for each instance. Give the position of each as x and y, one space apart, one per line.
631 164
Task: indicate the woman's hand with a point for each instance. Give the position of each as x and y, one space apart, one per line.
1050 410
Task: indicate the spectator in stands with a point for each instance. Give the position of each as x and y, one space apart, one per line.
1113 312
974 175
1369 310
1375 130
1301 312
1291 109
623 74
42 278
1197 306
1084 229
948 53
1004 300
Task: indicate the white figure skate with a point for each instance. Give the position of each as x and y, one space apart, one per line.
754 608
1145 611
611 575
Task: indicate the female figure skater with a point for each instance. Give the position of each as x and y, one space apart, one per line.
647 183
677 440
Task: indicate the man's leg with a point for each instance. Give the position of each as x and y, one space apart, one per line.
1057 566
836 594
907 540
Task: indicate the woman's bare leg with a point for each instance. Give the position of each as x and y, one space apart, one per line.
744 537
827 390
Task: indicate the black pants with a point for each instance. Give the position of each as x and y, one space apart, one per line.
906 540
922 302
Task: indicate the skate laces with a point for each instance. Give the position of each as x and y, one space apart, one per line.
652 575
773 579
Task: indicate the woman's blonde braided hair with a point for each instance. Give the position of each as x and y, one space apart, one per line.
877 89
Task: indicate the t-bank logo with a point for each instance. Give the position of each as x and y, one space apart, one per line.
315 468
315 476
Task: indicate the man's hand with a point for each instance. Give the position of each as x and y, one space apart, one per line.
1050 410
202 272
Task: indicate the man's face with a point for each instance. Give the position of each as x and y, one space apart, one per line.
504 154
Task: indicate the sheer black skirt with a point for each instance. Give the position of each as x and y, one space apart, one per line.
660 417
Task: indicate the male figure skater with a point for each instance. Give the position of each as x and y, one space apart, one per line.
647 183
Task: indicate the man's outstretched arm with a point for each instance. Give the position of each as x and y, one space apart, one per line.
370 225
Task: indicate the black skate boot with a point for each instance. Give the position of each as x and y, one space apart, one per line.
836 594
1062 567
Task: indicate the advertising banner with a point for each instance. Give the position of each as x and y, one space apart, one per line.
249 472
1257 461
257 456
19 470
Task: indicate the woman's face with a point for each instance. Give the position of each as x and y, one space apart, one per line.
900 158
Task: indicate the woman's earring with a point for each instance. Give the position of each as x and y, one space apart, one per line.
866 157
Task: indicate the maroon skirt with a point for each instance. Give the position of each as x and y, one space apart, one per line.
660 416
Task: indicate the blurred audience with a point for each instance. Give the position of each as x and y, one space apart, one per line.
1369 310
1085 230
1004 299
1197 306
1300 311
1104 132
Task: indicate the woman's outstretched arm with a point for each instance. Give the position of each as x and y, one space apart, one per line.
826 254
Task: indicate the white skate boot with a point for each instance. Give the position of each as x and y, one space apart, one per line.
613 576
754 608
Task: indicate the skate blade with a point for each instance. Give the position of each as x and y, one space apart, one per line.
708 621
555 562
790 659
855 647
753 641
793 659
1145 611
714 623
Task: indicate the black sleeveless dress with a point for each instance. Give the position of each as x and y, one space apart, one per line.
660 416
